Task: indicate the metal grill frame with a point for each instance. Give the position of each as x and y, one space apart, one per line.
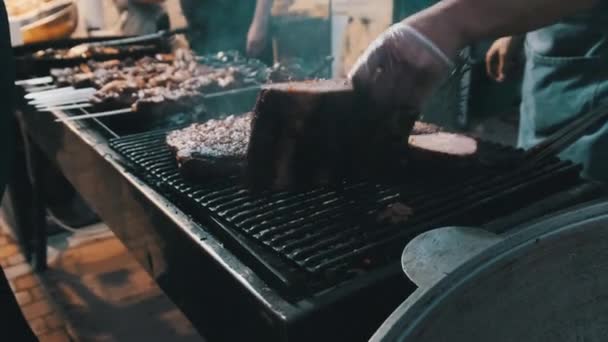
152 160
222 296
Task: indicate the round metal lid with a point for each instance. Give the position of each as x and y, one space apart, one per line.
547 282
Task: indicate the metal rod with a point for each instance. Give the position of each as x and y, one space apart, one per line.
233 91
42 88
567 134
61 101
46 93
63 95
74 106
132 40
60 95
80 102
34 81
95 115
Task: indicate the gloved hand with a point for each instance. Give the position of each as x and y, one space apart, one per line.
400 69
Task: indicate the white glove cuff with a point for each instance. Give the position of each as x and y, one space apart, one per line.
426 42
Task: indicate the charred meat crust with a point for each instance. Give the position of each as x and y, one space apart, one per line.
319 132
212 148
149 81
441 149
291 140
308 134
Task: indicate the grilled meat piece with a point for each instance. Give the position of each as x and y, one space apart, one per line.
220 147
319 132
424 128
139 83
436 151
395 213
213 148
450 144
291 133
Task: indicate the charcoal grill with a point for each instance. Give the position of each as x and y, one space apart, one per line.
310 241
314 265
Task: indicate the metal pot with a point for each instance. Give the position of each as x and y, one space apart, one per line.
547 281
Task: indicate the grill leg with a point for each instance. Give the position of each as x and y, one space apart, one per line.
37 209
18 199
39 215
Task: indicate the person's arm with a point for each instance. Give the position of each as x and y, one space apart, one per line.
453 24
258 31
401 68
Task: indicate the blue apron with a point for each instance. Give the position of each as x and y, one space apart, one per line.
566 75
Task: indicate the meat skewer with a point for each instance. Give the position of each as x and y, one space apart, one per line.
151 80
65 107
94 115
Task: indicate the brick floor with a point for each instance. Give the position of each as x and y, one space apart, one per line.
42 314
93 291
55 336
8 250
23 297
24 282
37 309
107 296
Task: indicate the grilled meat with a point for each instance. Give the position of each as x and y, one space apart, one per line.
302 134
319 132
212 148
150 80
220 147
86 51
425 128
395 213
448 144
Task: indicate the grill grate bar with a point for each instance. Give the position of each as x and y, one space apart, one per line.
571 171
337 229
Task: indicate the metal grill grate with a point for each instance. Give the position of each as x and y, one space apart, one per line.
315 239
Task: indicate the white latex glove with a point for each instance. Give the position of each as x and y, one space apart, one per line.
400 69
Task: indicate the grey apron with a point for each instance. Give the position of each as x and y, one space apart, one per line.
566 75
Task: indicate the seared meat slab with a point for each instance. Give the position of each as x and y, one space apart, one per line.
212 148
445 143
307 134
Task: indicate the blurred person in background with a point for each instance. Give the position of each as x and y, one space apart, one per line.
565 75
14 325
142 16
222 25
566 72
